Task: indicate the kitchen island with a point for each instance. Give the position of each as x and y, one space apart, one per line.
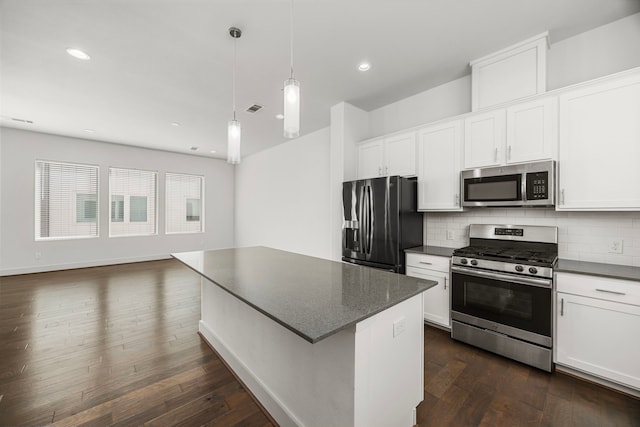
318 342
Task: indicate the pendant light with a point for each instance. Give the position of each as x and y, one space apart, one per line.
234 131
291 97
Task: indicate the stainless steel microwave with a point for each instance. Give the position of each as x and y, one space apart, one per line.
526 184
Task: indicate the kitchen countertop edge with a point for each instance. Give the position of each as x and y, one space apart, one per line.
431 250
613 271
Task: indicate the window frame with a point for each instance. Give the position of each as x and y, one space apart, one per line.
202 204
37 229
127 201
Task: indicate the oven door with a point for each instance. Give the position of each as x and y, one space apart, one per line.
517 306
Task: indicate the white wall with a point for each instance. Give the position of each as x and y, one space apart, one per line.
18 151
604 50
282 197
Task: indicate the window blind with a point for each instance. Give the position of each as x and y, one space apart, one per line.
184 195
133 207
66 200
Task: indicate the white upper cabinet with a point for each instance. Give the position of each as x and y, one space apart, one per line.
370 159
532 132
484 139
439 164
513 73
393 155
599 150
522 132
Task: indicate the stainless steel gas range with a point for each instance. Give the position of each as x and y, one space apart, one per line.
502 291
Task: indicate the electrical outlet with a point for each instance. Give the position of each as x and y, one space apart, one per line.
615 246
449 234
399 326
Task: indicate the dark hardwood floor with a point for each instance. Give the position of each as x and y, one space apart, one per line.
118 345
467 386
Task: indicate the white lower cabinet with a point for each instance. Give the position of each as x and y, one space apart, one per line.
597 327
436 301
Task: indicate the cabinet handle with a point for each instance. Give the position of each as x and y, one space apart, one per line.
445 283
610 292
379 170
562 196
425 262
495 155
509 153
561 306
386 170
456 200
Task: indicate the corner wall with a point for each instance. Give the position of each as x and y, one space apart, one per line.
282 197
19 150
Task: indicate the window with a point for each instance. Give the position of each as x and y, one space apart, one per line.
184 203
133 202
138 209
66 200
117 208
86 207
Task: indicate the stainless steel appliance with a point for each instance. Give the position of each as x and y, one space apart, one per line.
380 221
526 184
502 291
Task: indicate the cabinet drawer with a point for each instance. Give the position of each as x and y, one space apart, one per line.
430 262
624 291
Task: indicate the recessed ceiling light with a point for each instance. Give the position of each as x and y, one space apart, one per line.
89 130
77 53
365 66
212 151
176 124
280 116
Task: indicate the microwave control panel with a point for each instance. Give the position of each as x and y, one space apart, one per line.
538 186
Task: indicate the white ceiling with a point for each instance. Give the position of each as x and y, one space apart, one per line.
155 62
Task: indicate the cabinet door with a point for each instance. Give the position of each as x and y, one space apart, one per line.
599 337
532 131
439 165
484 139
600 146
370 159
400 154
436 300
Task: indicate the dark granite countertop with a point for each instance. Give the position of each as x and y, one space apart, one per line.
613 271
312 297
431 250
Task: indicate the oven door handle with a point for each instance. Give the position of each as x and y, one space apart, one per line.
533 281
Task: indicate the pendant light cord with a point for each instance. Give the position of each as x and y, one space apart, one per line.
291 37
235 51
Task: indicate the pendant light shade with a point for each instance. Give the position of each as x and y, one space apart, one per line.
291 96
234 135
291 108
234 130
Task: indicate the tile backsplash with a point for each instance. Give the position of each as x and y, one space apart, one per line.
583 236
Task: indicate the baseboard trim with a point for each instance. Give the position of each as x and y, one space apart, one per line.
74 265
602 382
271 405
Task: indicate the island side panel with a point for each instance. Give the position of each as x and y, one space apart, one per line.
299 383
389 376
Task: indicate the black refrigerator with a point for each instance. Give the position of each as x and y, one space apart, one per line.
381 220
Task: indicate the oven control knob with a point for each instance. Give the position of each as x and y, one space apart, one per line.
474 262
519 268
533 270
463 261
